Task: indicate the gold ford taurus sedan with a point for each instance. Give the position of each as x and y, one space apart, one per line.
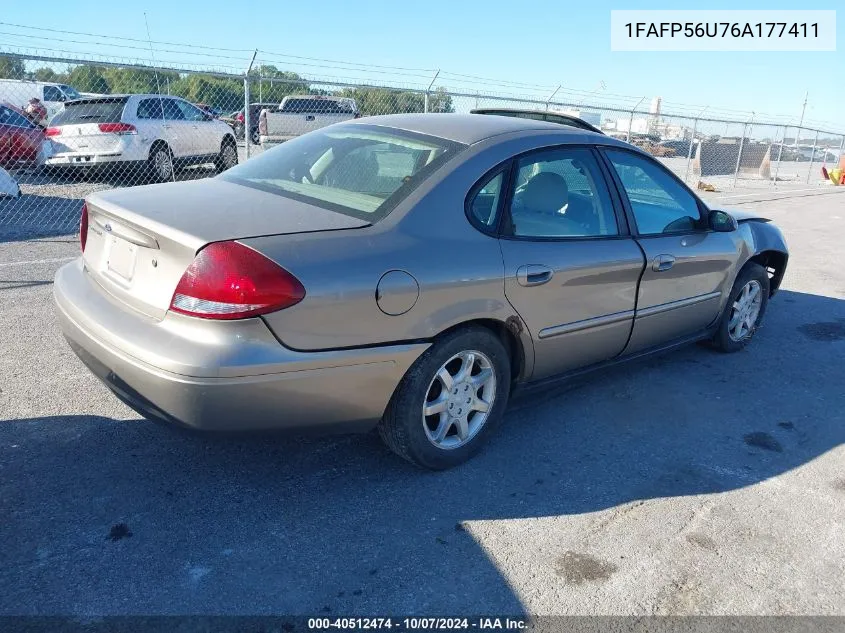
406 272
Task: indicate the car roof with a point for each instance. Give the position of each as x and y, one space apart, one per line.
471 128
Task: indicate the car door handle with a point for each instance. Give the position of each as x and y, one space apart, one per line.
662 263
309 117
533 275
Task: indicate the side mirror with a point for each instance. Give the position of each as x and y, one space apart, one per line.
722 222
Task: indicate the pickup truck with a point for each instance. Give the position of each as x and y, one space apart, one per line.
297 115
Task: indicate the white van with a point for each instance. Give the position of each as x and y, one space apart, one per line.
18 92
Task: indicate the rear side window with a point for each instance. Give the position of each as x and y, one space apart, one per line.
90 111
485 201
150 109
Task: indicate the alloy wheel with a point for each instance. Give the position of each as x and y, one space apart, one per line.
745 310
459 400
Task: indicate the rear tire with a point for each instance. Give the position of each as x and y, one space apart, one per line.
160 164
228 156
744 310
437 426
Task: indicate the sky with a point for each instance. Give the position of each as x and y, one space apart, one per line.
500 44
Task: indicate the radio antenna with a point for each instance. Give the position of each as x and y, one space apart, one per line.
158 90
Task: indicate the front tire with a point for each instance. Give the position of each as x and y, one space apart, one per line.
744 310
450 401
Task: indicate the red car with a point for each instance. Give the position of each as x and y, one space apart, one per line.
20 138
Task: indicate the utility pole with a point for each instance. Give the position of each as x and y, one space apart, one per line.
803 109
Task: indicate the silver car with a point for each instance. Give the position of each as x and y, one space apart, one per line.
406 272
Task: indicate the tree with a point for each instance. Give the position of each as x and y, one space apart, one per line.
270 85
48 74
88 79
12 68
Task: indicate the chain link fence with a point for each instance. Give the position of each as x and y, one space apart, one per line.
69 127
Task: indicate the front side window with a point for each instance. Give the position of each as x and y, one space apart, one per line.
51 93
172 111
358 170
191 112
561 193
70 92
659 202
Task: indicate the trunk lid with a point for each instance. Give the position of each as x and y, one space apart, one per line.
142 239
84 138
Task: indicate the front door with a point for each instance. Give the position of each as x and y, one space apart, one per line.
688 267
202 134
571 269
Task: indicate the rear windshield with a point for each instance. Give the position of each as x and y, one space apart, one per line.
358 170
317 106
90 111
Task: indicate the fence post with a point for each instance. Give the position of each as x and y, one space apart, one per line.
247 133
739 154
631 120
780 152
552 96
812 156
689 152
428 90
246 104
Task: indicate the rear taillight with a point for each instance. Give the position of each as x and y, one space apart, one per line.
83 227
117 128
228 280
53 131
240 117
262 123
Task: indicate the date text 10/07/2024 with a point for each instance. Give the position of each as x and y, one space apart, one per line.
722 29
418 624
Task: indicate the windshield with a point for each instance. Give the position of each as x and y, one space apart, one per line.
70 92
90 111
358 170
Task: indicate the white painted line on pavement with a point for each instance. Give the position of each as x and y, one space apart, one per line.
37 261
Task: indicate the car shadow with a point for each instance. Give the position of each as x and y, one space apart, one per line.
107 516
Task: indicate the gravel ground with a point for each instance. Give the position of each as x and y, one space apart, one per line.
694 483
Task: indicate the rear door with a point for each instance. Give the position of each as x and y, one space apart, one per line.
688 267
571 267
179 132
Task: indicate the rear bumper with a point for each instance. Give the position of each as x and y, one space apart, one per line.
223 376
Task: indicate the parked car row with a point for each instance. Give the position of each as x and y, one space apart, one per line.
151 133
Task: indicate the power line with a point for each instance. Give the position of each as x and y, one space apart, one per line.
199 46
